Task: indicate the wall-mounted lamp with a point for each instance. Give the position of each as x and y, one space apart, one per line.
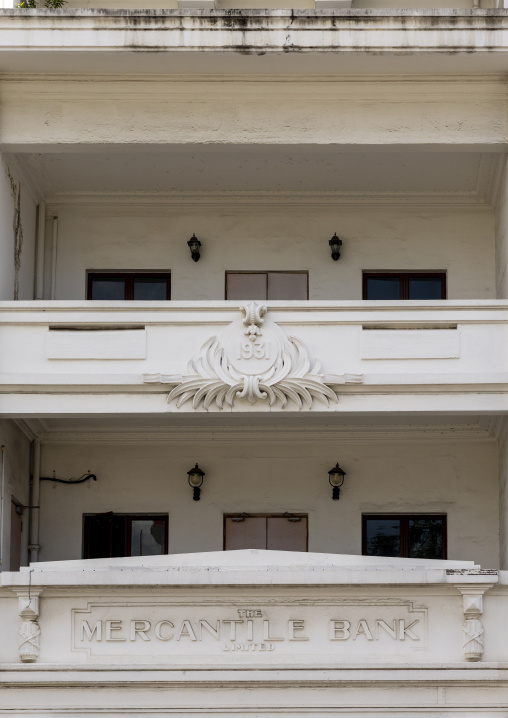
194 245
336 478
335 245
196 477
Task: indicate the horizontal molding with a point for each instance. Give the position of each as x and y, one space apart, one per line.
426 89
373 314
483 81
484 430
277 198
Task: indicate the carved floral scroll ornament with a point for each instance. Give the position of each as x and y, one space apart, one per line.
253 360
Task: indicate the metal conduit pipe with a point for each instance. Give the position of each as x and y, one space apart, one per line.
33 546
53 257
39 266
2 485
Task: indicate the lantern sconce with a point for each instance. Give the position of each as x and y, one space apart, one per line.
335 245
196 476
336 478
194 245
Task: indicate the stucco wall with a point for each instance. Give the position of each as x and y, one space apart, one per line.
16 484
270 476
284 237
24 245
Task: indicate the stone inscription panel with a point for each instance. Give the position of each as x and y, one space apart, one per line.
344 628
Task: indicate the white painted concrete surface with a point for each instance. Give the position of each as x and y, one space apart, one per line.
459 479
459 241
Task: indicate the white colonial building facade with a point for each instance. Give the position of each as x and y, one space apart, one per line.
254 359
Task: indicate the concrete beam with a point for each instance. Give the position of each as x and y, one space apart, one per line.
82 112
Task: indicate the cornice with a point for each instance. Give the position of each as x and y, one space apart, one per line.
32 428
160 200
404 433
27 179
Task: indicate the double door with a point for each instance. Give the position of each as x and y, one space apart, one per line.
277 532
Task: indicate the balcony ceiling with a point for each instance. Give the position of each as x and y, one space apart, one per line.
262 168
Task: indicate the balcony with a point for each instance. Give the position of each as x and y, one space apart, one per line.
127 357
303 630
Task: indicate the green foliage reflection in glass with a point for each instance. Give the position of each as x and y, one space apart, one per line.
425 538
383 537
33 5
406 536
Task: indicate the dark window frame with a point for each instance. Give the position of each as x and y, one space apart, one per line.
129 278
404 530
128 526
285 515
404 281
266 272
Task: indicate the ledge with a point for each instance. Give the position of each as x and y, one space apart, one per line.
258 31
249 567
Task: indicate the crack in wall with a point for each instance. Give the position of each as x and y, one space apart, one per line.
18 231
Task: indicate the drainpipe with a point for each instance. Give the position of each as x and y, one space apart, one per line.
2 484
39 267
33 545
53 257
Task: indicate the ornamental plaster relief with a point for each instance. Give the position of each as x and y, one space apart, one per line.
29 630
253 360
472 603
217 628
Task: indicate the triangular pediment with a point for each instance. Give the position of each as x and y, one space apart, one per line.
250 559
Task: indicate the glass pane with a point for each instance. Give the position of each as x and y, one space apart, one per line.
426 538
425 288
246 285
147 537
98 535
108 288
383 288
118 547
287 285
153 288
383 537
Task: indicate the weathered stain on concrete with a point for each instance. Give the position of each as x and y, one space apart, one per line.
17 231
261 31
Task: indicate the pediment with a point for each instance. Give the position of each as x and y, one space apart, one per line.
249 560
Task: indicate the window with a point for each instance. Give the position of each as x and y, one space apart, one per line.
278 532
410 536
404 285
114 535
129 285
267 285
